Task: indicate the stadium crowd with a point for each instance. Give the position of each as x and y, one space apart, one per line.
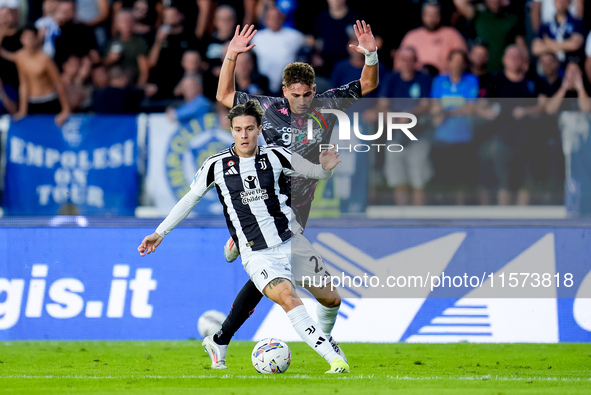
486 78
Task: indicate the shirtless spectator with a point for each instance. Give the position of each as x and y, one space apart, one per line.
41 90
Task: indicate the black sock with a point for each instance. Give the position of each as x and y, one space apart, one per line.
246 300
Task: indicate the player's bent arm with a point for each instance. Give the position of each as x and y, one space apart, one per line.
178 213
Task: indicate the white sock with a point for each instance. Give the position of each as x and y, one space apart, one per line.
327 316
311 333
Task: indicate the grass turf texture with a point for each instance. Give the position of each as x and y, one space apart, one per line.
182 367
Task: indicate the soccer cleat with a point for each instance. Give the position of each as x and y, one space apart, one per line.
216 352
337 349
338 366
231 250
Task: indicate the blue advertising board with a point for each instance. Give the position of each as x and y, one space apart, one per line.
91 283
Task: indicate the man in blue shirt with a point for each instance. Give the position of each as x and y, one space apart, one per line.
564 36
453 151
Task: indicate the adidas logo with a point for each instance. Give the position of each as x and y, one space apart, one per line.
231 171
320 341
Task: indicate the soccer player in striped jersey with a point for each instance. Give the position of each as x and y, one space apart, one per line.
299 97
248 180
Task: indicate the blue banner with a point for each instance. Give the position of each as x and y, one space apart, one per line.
89 166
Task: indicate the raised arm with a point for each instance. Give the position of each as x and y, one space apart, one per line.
238 45
54 74
367 46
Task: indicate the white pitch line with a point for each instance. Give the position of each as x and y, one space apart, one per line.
271 377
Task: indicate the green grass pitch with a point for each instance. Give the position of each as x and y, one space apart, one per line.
182 367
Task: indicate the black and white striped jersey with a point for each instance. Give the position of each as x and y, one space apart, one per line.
252 193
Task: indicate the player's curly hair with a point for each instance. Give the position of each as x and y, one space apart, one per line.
298 72
250 108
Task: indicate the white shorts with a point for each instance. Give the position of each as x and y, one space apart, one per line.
307 265
412 166
268 264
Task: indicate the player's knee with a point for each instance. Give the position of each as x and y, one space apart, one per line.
331 302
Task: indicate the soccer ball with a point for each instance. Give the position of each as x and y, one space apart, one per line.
210 322
271 356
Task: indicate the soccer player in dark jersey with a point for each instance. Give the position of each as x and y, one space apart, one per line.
248 181
300 96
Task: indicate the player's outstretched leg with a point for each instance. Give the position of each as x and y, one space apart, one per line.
244 304
279 290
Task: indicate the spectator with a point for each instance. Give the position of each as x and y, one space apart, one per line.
41 90
195 103
147 14
172 40
224 24
510 147
99 76
48 28
550 73
248 78
192 66
331 32
411 167
495 27
287 8
75 38
275 47
572 87
128 50
478 66
9 44
543 11
432 41
588 57
119 97
95 15
453 149
74 75
563 36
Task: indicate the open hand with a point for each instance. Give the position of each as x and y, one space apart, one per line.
149 244
365 38
329 159
239 43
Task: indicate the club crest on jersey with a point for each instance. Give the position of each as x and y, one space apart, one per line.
262 164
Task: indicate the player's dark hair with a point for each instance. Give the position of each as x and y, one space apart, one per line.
250 108
298 72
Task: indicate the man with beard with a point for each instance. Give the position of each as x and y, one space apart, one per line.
433 42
